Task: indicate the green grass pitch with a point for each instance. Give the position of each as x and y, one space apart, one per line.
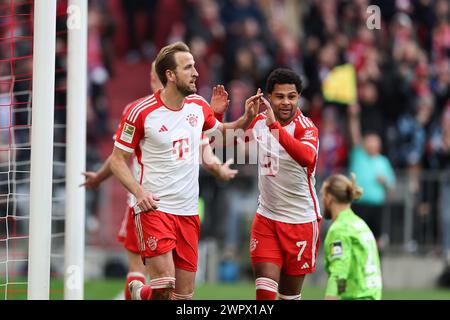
108 289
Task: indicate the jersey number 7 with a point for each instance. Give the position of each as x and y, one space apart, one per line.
302 245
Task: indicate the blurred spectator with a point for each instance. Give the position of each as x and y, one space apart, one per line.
364 40
199 50
402 31
204 21
333 150
440 85
247 54
285 15
362 53
131 9
168 15
439 145
371 112
373 171
289 54
321 20
99 67
239 92
245 66
203 25
235 12
424 17
411 136
317 65
441 31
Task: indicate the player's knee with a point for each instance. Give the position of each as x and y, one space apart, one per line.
267 270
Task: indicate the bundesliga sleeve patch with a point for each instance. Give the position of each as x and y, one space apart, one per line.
127 133
336 249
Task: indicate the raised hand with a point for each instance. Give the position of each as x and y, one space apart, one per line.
219 99
226 173
91 180
270 116
252 105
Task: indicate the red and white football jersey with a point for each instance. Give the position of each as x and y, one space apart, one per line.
135 170
166 142
286 169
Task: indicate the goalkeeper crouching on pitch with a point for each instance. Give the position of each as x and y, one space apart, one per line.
351 255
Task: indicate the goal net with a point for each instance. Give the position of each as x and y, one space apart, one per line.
16 76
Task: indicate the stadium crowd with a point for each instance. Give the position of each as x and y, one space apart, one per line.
402 71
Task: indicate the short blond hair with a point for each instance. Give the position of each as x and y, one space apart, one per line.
342 188
165 59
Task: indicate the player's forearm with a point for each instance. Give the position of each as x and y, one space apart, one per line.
213 169
303 154
355 130
211 163
242 123
119 167
105 171
231 130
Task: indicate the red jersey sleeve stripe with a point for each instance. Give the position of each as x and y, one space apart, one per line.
302 122
310 145
146 106
137 111
309 122
130 109
123 147
139 106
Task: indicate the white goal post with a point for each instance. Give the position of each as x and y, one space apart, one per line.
76 149
42 150
42 131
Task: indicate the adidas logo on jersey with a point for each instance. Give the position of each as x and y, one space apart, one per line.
163 129
305 265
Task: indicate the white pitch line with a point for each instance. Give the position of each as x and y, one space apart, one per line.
120 296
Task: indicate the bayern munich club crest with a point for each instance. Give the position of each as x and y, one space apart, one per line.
253 244
192 119
152 243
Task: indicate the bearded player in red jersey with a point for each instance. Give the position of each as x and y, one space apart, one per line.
285 231
127 233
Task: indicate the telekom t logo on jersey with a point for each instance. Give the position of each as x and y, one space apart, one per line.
180 148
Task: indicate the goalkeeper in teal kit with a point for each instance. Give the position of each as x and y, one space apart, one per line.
351 256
